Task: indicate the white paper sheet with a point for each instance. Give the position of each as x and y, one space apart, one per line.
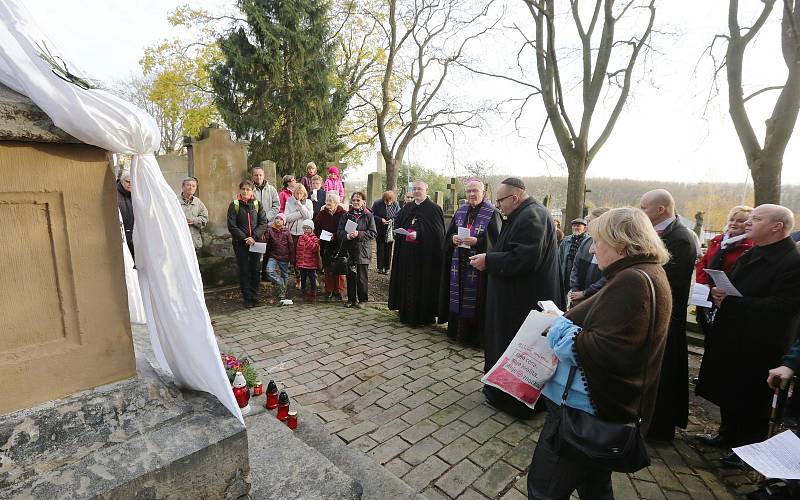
463 232
722 282
258 247
350 226
550 306
699 295
777 457
401 231
326 235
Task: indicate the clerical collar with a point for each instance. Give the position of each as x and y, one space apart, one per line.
663 224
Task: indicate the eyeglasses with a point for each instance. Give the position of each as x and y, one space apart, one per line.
500 200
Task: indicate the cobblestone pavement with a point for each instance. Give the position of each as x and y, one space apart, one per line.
410 399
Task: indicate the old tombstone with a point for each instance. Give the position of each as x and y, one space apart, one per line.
175 167
220 164
380 163
375 185
270 172
452 187
438 198
84 414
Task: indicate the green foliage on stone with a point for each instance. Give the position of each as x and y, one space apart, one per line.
275 86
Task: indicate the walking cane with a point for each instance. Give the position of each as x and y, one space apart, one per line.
773 414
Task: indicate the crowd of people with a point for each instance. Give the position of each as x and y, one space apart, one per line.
623 276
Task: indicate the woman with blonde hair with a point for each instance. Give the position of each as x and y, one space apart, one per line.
608 341
726 248
298 208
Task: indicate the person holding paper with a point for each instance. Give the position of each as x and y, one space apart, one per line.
607 340
672 405
328 220
356 232
247 222
384 212
752 332
417 260
462 291
726 248
521 269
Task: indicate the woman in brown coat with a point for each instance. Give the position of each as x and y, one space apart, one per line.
606 338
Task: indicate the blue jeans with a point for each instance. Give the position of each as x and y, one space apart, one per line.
278 273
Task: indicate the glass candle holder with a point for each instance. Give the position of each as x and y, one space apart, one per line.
291 420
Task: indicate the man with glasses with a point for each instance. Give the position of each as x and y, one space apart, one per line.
521 270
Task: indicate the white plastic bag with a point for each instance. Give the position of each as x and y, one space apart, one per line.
528 362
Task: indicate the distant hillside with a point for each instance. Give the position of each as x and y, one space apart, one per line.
713 198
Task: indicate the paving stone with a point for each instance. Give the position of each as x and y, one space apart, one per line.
420 451
331 415
419 413
496 479
388 415
485 431
351 433
469 387
520 456
695 486
664 477
367 399
674 460
397 467
343 400
478 415
364 443
433 493
458 450
489 452
648 490
388 450
439 388
344 385
514 433
418 431
395 362
389 429
451 431
623 487
676 495
394 397
420 383
395 382
471 494
458 479
513 494
423 474
446 399
418 397
368 385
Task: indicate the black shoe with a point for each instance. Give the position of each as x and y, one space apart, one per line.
714 440
732 460
248 304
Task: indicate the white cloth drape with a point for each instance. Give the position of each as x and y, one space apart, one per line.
135 304
172 291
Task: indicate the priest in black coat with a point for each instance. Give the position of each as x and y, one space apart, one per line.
417 260
672 401
752 332
522 269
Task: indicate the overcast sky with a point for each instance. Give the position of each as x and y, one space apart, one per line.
663 133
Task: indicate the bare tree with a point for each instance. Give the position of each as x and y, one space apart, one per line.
424 41
765 162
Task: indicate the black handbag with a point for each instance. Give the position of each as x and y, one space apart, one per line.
339 263
616 446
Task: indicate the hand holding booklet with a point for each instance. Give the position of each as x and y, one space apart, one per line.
528 362
258 247
722 282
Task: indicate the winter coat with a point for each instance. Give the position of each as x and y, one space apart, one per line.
327 221
586 275
126 209
319 202
334 184
380 210
284 195
267 195
296 212
241 226
732 254
306 252
306 182
198 213
359 249
280 245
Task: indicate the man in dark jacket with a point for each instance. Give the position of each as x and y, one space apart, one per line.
247 223
672 402
521 269
586 278
126 208
754 329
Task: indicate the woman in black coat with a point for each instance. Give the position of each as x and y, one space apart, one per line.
384 212
357 244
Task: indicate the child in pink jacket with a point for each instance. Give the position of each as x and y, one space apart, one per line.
334 183
307 253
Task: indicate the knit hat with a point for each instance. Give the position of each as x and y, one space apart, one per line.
282 216
333 170
308 223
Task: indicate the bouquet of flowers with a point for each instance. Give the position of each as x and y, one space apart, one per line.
235 364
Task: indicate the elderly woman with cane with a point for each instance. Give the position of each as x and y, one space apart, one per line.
609 348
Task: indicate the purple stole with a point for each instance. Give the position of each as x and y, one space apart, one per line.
464 301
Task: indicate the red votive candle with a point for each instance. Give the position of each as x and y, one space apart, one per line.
291 420
283 406
272 395
258 389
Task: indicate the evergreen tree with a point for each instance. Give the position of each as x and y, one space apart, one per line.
275 86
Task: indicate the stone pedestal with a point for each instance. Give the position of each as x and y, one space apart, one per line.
140 438
374 187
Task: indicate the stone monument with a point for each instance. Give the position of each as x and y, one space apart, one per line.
376 180
82 413
271 172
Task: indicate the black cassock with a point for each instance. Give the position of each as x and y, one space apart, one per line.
522 269
672 401
466 330
416 265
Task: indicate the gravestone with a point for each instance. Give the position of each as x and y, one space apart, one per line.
270 172
175 168
438 198
452 186
374 186
380 163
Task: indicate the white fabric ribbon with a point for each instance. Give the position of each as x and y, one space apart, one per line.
172 290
